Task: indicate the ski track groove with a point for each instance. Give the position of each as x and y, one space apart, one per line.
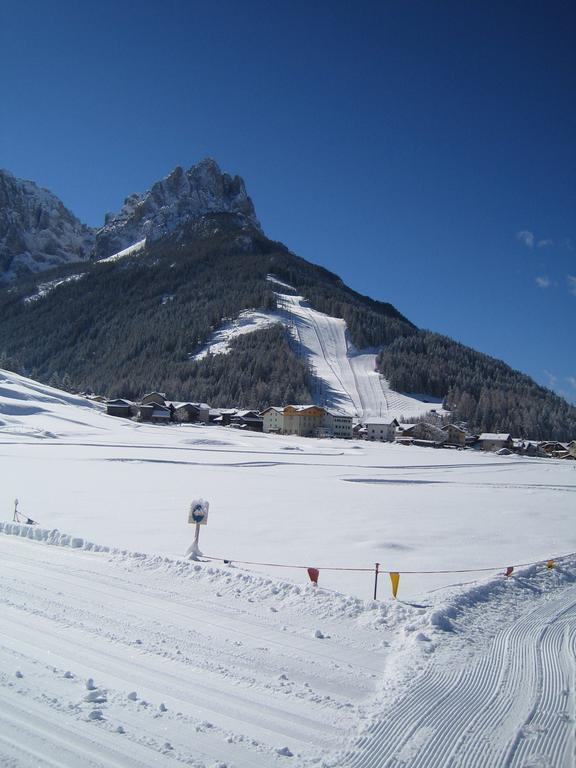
524 685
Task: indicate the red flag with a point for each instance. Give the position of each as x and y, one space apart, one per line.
509 570
314 573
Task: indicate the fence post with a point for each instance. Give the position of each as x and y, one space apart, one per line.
376 579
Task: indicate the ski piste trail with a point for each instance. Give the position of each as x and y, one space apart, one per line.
512 706
347 379
115 659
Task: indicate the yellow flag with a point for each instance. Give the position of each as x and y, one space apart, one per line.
550 564
395 579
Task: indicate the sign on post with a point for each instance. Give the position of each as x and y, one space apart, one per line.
199 512
197 515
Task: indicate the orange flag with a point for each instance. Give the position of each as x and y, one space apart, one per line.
550 564
509 570
395 579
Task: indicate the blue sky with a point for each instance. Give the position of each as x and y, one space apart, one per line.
424 151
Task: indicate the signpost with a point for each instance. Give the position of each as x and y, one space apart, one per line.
198 515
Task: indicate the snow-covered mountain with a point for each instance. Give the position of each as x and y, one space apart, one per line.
37 231
178 264
171 202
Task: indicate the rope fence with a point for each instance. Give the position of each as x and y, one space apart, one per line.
314 573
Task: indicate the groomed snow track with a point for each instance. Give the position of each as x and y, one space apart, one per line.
512 708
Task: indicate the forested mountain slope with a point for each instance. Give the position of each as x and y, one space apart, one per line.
478 389
125 325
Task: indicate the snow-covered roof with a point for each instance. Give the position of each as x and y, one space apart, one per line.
178 404
494 436
384 422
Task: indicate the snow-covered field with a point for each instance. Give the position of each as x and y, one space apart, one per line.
208 664
347 378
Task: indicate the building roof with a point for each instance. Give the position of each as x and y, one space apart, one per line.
494 436
384 422
454 426
338 414
200 406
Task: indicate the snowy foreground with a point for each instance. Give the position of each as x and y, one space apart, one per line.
113 657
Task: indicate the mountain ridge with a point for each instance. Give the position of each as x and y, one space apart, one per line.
124 326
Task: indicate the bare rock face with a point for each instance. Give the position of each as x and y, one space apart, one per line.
181 197
36 230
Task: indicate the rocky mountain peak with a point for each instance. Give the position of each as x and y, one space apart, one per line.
178 198
37 231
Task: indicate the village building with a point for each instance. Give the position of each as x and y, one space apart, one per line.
157 414
249 420
526 448
273 419
454 435
222 416
303 420
553 448
383 430
191 412
119 407
307 421
495 441
421 434
337 424
154 397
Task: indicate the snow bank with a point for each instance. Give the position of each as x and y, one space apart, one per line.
50 536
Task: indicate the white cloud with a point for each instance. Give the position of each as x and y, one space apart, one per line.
545 243
571 280
552 380
543 281
526 237
568 243
572 381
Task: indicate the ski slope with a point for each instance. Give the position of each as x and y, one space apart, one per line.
346 379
